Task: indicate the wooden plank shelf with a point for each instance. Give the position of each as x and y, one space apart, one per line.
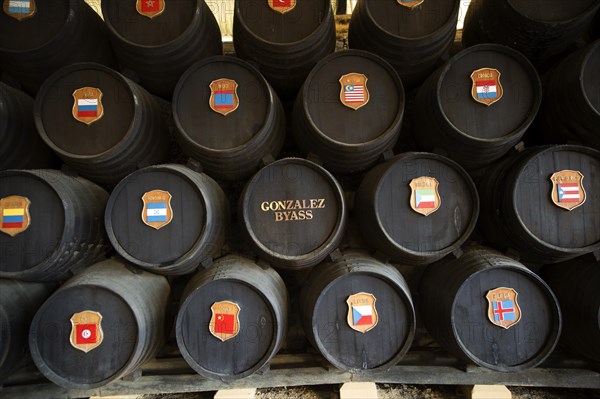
173 375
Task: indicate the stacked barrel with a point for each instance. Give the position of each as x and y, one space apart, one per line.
360 195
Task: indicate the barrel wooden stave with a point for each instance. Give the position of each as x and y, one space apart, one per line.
18 303
66 232
262 297
158 50
285 47
193 238
324 313
389 225
571 106
231 147
411 40
449 121
22 147
457 316
541 30
59 34
132 324
293 213
132 133
348 140
518 215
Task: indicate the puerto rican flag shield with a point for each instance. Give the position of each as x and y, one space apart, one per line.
362 314
567 189
503 309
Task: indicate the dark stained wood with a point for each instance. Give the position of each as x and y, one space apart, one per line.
540 29
284 46
160 49
571 107
456 316
348 140
195 235
132 132
22 147
411 40
262 298
18 303
66 231
228 147
324 313
389 224
293 234
575 284
132 324
448 120
517 212
60 33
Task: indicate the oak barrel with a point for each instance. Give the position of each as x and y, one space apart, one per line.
412 40
571 103
158 48
231 138
59 33
51 224
233 319
22 147
349 125
18 303
540 29
450 119
358 313
293 213
100 325
417 208
128 129
285 45
575 284
532 204
192 216
514 330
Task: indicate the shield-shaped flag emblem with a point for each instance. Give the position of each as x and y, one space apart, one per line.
410 3
223 96
87 106
86 330
362 314
425 197
503 309
19 9
354 93
567 189
486 87
150 8
157 211
225 321
15 214
282 6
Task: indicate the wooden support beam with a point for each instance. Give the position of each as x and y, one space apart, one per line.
246 393
489 392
